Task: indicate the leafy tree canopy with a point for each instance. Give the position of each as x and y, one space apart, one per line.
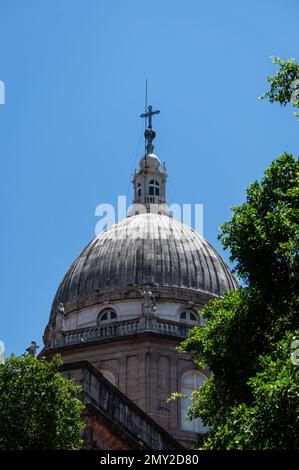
263 235
39 408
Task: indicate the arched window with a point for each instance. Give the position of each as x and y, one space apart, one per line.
139 190
189 316
154 188
107 315
191 381
108 375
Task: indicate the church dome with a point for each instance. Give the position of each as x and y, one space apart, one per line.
146 249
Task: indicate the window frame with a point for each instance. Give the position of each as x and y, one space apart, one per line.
154 188
111 315
188 312
196 424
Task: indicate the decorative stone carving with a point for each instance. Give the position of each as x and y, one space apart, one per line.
57 337
59 317
149 301
60 308
32 348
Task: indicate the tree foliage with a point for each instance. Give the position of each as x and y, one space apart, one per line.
284 86
250 400
263 235
272 421
39 408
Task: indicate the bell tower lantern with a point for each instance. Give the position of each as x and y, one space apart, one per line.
150 180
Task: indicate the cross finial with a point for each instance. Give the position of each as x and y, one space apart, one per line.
149 116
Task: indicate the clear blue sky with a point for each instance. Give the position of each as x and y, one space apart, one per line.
74 72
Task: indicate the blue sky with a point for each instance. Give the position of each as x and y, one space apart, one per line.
74 74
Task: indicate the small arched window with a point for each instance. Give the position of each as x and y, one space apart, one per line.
189 316
107 315
139 190
190 382
154 188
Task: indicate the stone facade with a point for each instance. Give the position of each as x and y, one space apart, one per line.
147 369
113 421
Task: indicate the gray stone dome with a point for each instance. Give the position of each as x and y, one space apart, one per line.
146 249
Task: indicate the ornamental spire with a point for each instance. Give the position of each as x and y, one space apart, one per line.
149 132
150 180
149 116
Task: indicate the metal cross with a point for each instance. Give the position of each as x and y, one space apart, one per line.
149 115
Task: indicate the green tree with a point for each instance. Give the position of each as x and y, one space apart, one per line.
39 408
271 422
246 341
263 235
284 86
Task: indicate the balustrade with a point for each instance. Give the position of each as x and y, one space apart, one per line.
133 326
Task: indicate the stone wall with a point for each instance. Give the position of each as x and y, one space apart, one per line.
147 369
